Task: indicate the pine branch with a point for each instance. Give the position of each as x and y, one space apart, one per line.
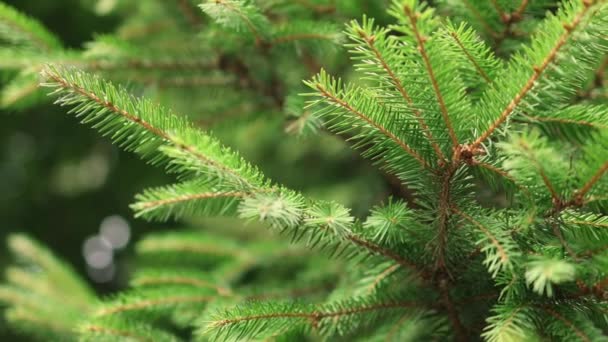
278 318
504 258
498 9
95 98
578 197
470 57
375 249
521 9
381 277
340 102
509 323
237 13
567 121
568 323
538 71
530 154
480 18
370 41
409 12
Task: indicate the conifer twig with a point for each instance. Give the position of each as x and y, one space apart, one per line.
587 223
501 250
399 85
498 9
383 275
521 9
565 121
376 125
376 249
190 197
480 18
250 26
427 62
568 323
315 317
478 68
589 185
65 84
538 70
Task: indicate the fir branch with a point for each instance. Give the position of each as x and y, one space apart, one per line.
506 327
245 12
568 323
530 154
498 9
149 205
566 121
376 249
521 9
338 101
587 223
315 317
578 197
500 172
370 40
470 57
99 97
381 277
395 328
480 18
409 12
499 247
538 71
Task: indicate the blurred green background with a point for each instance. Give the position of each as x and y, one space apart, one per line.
59 180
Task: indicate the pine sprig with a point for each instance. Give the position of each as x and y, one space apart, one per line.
557 34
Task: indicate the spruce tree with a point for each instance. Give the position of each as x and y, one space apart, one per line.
497 140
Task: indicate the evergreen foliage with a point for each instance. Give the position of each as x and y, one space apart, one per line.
443 109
